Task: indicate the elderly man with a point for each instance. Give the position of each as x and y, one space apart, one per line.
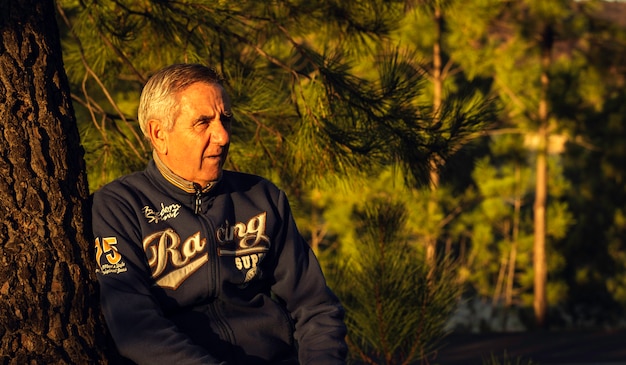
200 265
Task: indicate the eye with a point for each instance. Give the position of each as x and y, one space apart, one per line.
203 121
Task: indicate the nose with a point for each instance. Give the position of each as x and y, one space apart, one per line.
220 133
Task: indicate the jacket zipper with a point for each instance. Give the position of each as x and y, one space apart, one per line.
197 209
213 262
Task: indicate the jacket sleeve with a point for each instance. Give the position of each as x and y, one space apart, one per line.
136 322
318 315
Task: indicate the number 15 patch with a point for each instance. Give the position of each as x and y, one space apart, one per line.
112 262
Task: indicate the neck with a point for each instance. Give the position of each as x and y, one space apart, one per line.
178 181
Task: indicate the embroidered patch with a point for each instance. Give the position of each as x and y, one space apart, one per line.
167 212
112 262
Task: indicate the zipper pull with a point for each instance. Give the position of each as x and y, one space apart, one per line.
198 200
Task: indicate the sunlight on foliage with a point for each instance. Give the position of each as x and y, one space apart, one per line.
396 305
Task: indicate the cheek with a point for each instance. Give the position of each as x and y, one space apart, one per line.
186 147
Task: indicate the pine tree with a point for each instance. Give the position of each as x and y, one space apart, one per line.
396 303
306 109
516 47
48 305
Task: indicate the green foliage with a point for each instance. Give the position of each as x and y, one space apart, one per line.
310 102
396 305
496 227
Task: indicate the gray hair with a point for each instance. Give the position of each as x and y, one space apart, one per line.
159 97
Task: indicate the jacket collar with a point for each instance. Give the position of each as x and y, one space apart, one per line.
179 182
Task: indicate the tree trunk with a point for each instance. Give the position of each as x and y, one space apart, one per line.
517 208
49 313
541 191
433 203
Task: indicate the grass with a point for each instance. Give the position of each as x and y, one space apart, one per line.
505 359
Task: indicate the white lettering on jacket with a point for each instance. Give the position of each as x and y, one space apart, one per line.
251 244
249 235
171 211
165 247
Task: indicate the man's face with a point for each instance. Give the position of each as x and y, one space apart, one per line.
197 146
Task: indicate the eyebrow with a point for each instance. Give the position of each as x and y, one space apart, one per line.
226 113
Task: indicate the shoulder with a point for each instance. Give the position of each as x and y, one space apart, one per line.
246 181
121 188
252 187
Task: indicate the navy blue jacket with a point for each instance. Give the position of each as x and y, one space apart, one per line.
213 276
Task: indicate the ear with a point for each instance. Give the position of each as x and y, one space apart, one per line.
157 136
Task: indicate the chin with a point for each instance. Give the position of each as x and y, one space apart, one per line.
213 177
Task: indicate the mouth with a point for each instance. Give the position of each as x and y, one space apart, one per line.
218 157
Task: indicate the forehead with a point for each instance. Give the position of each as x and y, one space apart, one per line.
203 95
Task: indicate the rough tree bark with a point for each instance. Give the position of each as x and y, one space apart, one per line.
48 306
